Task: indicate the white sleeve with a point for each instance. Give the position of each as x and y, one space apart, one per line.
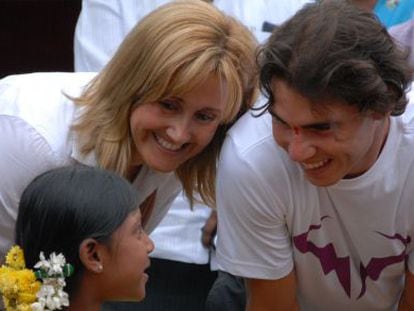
24 154
252 235
99 31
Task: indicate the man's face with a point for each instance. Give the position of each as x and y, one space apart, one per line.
330 140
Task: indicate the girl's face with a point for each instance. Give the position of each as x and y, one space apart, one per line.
127 260
169 132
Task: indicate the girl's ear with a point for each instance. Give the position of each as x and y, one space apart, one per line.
91 254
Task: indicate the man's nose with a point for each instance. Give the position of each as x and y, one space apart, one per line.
300 148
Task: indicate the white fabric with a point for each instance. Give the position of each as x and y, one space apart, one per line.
103 24
254 13
35 118
101 27
403 34
355 224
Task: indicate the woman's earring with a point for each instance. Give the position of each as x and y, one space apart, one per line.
100 268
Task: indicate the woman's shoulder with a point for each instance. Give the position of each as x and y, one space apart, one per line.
39 90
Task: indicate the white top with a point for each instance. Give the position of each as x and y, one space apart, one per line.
101 27
403 34
255 13
347 242
103 24
35 118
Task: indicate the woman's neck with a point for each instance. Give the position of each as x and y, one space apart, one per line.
132 172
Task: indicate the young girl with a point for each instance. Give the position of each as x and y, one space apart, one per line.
91 217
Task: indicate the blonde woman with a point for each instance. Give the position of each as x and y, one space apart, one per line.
157 114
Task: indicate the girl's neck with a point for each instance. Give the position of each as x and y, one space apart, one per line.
81 302
86 296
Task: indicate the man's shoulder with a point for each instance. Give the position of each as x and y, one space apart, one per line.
407 118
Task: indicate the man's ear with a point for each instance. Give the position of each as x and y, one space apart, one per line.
91 254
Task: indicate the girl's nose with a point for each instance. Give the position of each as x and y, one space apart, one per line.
149 244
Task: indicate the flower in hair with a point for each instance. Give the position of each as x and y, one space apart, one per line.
18 285
21 289
52 271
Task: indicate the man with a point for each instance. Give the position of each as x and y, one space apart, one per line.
323 219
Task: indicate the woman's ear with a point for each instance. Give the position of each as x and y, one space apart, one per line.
91 254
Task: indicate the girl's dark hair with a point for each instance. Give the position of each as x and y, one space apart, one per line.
64 206
333 50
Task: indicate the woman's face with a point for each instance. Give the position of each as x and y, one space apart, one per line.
169 132
127 260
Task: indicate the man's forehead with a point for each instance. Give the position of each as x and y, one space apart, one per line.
316 113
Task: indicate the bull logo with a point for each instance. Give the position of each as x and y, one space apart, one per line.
330 261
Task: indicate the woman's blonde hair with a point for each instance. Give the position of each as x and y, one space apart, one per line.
169 52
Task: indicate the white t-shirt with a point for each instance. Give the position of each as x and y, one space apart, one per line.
347 242
35 120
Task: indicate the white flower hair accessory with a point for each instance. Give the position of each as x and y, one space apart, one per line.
52 272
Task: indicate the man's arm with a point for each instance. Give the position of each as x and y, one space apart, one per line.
272 295
407 298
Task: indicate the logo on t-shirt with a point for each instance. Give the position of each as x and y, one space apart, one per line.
330 261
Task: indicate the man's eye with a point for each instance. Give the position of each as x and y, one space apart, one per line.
168 105
322 127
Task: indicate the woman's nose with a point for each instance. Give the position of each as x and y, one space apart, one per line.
179 130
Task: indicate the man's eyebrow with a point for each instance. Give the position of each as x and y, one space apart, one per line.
305 126
275 115
317 125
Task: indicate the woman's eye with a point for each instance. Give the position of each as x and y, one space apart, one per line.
204 117
168 105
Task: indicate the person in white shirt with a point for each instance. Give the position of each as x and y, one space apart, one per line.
159 110
320 215
179 234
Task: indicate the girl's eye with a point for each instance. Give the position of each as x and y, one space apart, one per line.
139 230
168 105
205 117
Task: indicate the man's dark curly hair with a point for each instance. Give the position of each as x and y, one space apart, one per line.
333 50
